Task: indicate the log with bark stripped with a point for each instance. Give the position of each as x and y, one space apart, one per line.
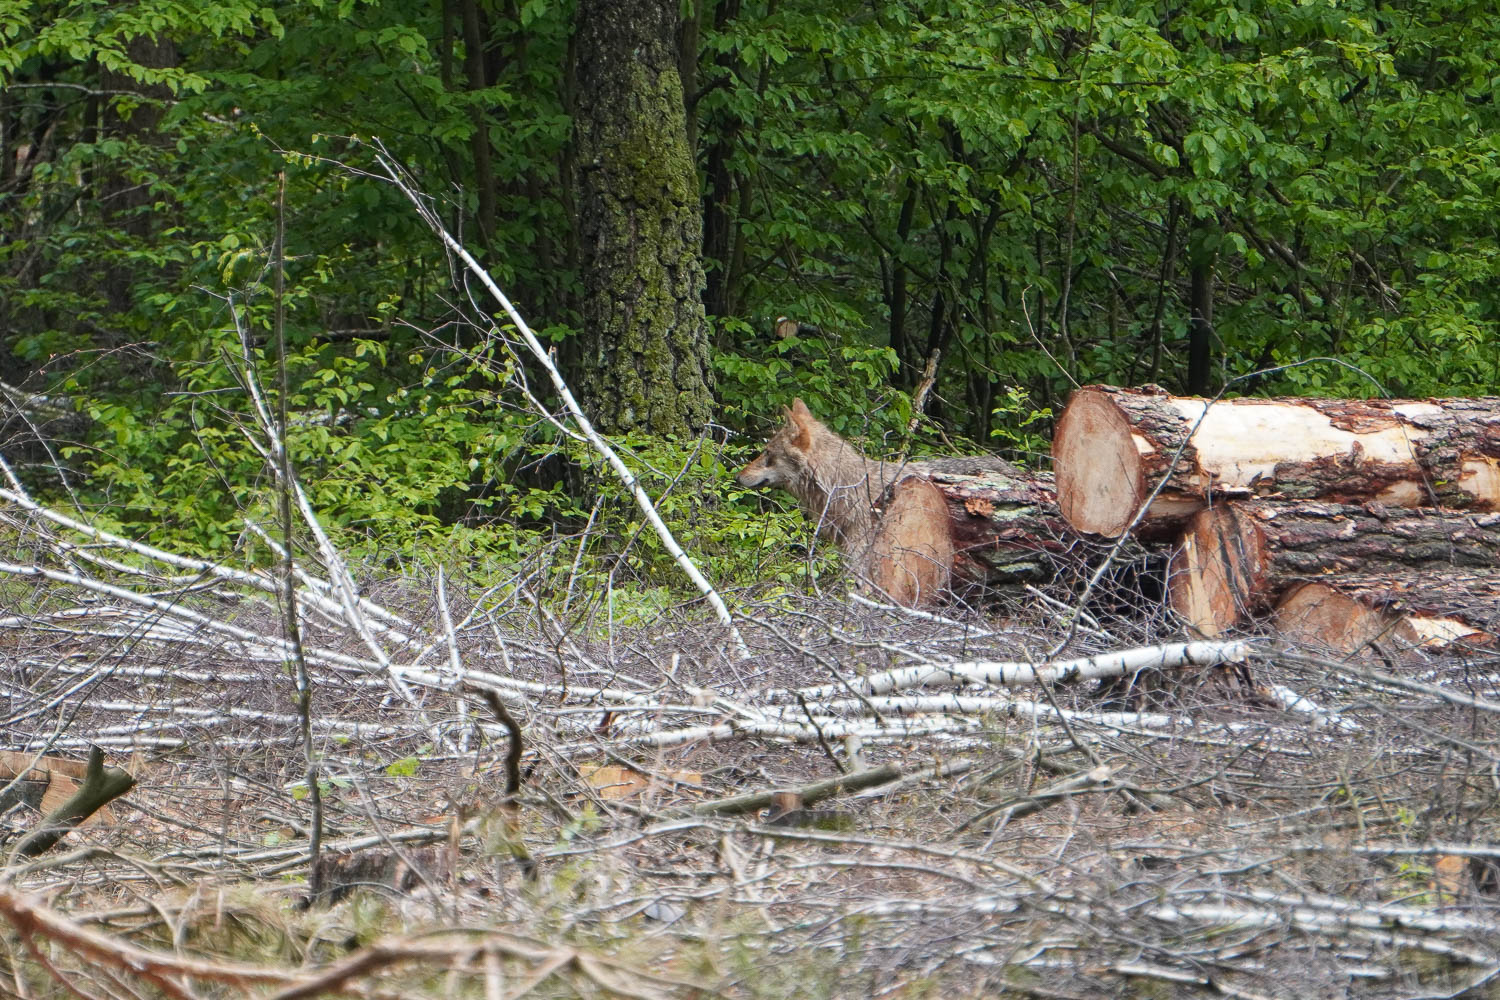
908 557
1114 446
1393 613
1236 559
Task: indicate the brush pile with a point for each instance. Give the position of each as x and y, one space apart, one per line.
876 801
823 798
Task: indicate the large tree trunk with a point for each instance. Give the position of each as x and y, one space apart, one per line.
1393 614
1201 316
476 32
1114 446
645 356
125 200
1235 559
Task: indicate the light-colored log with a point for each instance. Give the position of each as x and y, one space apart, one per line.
909 556
1114 446
1392 614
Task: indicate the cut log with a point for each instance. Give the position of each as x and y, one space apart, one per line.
1113 446
44 784
1235 559
909 555
1393 613
1006 527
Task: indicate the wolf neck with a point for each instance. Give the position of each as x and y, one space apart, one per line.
839 486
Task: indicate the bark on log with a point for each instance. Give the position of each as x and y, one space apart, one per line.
1006 527
1393 613
1113 446
1235 559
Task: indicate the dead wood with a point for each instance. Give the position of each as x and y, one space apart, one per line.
1114 446
1236 559
43 783
1392 613
806 794
909 556
1006 526
100 785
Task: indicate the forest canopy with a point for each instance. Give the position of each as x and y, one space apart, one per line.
1037 195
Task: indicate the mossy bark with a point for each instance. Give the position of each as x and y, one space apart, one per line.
644 363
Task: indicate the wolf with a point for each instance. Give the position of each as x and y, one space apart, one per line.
905 550
836 486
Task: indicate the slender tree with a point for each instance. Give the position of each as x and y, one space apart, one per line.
644 362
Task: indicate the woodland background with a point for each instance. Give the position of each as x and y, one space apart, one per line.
1041 194
487 694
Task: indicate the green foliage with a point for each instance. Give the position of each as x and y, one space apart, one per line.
733 534
406 767
1022 190
1025 188
1019 423
836 376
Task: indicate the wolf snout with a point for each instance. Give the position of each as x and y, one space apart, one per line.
750 477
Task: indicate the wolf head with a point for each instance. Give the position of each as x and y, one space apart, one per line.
785 459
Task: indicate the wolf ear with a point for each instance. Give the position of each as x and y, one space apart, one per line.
800 419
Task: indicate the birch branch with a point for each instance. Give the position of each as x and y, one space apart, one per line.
628 478
1116 664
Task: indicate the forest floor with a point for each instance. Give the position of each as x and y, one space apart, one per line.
1285 824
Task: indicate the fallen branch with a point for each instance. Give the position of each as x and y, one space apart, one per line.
1098 777
818 790
28 915
100 785
1130 661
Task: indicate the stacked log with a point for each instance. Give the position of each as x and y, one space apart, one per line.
1346 520
909 557
947 523
1006 526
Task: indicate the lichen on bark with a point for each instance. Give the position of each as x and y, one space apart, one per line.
644 360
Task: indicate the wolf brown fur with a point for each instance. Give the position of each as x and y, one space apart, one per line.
908 554
835 485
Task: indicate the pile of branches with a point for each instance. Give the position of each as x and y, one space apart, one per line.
873 797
